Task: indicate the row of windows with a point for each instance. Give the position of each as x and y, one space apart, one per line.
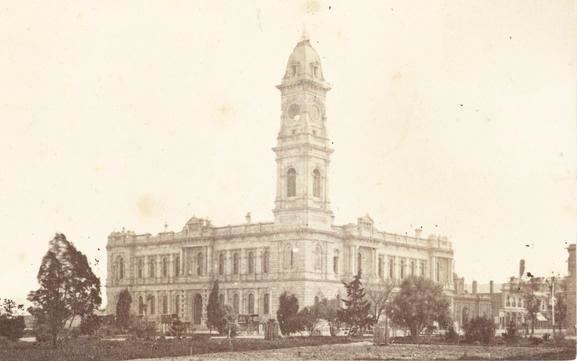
514 302
251 262
119 267
149 307
291 184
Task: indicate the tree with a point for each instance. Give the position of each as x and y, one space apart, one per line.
328 310
50 308
379 297
215 310
287 312
418 304
123 309
11 323
532 302
68 287
561 304
356 308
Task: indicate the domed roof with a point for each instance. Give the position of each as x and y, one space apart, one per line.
304 62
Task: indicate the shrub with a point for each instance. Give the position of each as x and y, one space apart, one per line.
546 336
451 335
480 329
535 341
287 312
511 336
90 324
12 327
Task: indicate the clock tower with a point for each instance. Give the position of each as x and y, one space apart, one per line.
303 151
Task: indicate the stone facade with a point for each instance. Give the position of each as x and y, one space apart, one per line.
467 306
301 251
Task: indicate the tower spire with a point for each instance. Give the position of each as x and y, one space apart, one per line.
304 34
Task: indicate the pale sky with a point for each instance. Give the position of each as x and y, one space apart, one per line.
457 116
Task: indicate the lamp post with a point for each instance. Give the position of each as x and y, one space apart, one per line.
551 283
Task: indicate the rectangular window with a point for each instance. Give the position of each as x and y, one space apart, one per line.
412 267
392 267
177 304
402 268
177 265
265 261
381 267
164 304
265 305
140 267
423 268
151 269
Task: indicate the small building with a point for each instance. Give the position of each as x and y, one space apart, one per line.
467 306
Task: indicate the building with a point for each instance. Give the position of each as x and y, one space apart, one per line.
301 251
467 306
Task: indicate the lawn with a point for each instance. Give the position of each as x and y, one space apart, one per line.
99 350
366 351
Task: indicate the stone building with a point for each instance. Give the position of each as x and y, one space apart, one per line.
467 306
301 251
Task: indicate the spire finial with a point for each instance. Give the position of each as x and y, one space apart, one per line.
304 35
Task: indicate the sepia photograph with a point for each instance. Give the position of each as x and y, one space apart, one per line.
288 180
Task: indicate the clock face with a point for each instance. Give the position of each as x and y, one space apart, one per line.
293 111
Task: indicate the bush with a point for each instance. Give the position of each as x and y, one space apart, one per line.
511 336
90 324
535 341
480 329
12 327
451 335
142 329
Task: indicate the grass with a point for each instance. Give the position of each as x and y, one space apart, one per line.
99 350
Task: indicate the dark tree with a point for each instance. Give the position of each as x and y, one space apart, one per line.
287 313
532 302
356 308
215 311
123 309
418 304
50 308
68 287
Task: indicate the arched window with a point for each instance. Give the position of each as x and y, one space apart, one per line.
288 256
412 267
318 258
402 269
316 183
199 263
265 304
251 262
336 262
235 263
221 264
392 267
251 304
508 301
164 267
265 261
235 303
359 263
291 185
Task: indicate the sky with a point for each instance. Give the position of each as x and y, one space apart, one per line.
458 117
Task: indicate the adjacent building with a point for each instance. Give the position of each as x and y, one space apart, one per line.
301 251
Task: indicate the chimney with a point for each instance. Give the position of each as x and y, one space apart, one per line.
474 287
491 287
521 268
418 232
247 217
